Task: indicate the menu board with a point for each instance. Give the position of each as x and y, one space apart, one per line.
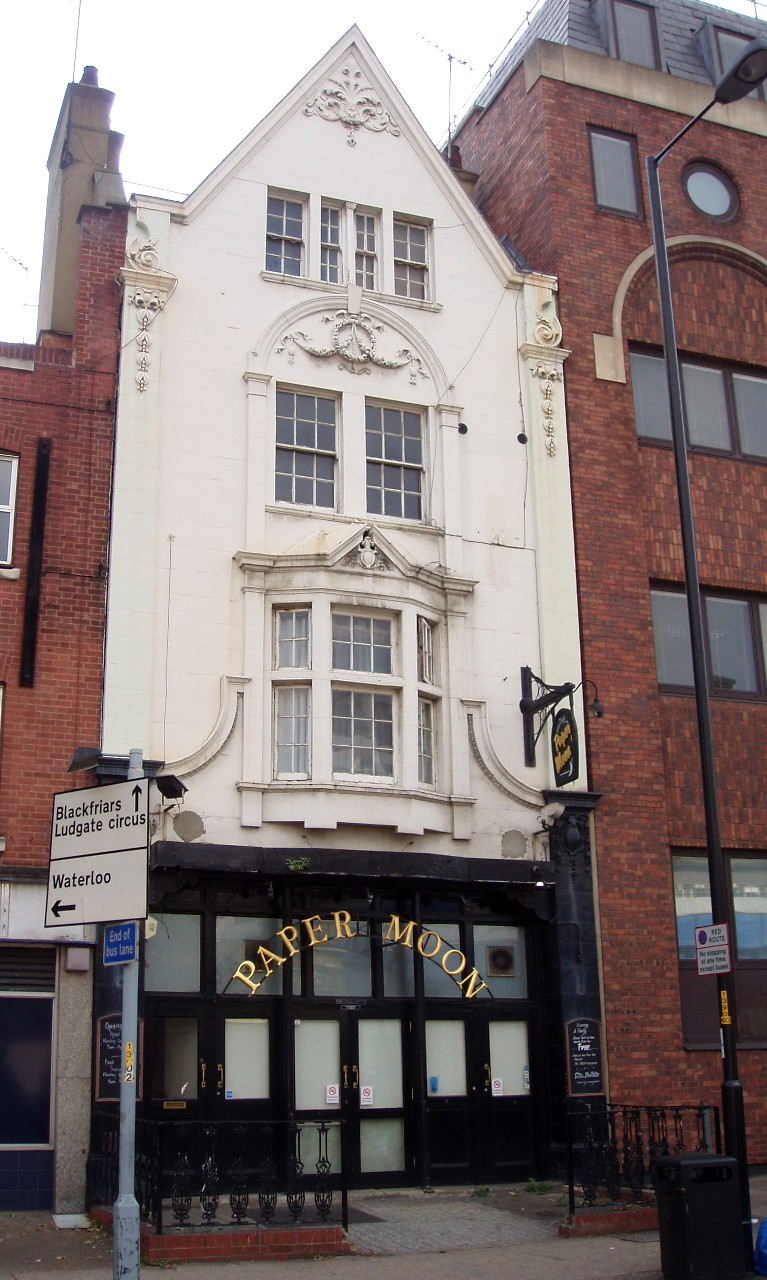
584 1057
108 1054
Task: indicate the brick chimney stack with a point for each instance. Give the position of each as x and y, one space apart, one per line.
84 169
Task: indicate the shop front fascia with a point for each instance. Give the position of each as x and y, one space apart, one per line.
419 1000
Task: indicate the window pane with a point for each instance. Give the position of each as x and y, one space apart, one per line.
305 474
292 638
435 981
749 891
692 899
499 955
751 413
25 1070
237 939
342 968
425 742
634 29
673 655
172 956
706 406
731 644
731 46
614 172
292 730
363 733
650 389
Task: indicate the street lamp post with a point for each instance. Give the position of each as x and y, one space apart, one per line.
749 70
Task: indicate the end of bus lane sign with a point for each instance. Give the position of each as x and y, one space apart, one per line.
99 854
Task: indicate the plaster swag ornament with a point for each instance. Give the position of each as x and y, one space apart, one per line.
148 304
353 341
351 102
548 375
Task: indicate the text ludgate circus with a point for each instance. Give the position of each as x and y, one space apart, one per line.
90 826
313 931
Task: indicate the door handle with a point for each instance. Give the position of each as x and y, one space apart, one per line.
203 1069
346 1076
356 1071
488 1081
220 1081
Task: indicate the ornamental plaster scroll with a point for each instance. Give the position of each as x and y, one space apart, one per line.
230 706
349 100
548 330
489 761
143 255
354 342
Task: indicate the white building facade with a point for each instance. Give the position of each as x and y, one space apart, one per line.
341 527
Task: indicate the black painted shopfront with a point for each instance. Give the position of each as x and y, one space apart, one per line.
420 1000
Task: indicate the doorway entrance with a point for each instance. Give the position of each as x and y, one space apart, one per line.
351 1067
478 1098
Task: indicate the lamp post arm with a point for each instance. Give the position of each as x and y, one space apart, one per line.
683 131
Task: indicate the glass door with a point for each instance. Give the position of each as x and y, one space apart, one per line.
349 1072
478 1098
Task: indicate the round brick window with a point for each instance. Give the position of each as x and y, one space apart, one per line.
711 191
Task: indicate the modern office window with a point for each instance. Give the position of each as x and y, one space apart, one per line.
615 172
394 461
636 33
8 473
725 408
729 46
331 260
305 459
734 636
411 260
285 235
747 878
366 250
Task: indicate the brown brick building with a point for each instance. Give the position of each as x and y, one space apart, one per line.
57 417
558 141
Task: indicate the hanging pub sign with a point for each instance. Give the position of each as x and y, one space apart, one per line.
564 746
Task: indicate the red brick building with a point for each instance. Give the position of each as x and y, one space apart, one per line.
558 141
57 417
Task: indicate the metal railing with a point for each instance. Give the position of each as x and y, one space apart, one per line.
611 1149
202 1175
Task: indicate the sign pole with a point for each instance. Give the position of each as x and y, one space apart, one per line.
126 1257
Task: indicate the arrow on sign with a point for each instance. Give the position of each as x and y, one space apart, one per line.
136 793
60 906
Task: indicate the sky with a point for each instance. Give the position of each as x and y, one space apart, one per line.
192 81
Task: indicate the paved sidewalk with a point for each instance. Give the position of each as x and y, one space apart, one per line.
506 1233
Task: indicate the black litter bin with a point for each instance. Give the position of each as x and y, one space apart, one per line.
699 1217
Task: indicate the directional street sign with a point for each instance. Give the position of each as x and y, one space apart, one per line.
99 854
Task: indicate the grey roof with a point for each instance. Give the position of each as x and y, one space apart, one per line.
681 23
